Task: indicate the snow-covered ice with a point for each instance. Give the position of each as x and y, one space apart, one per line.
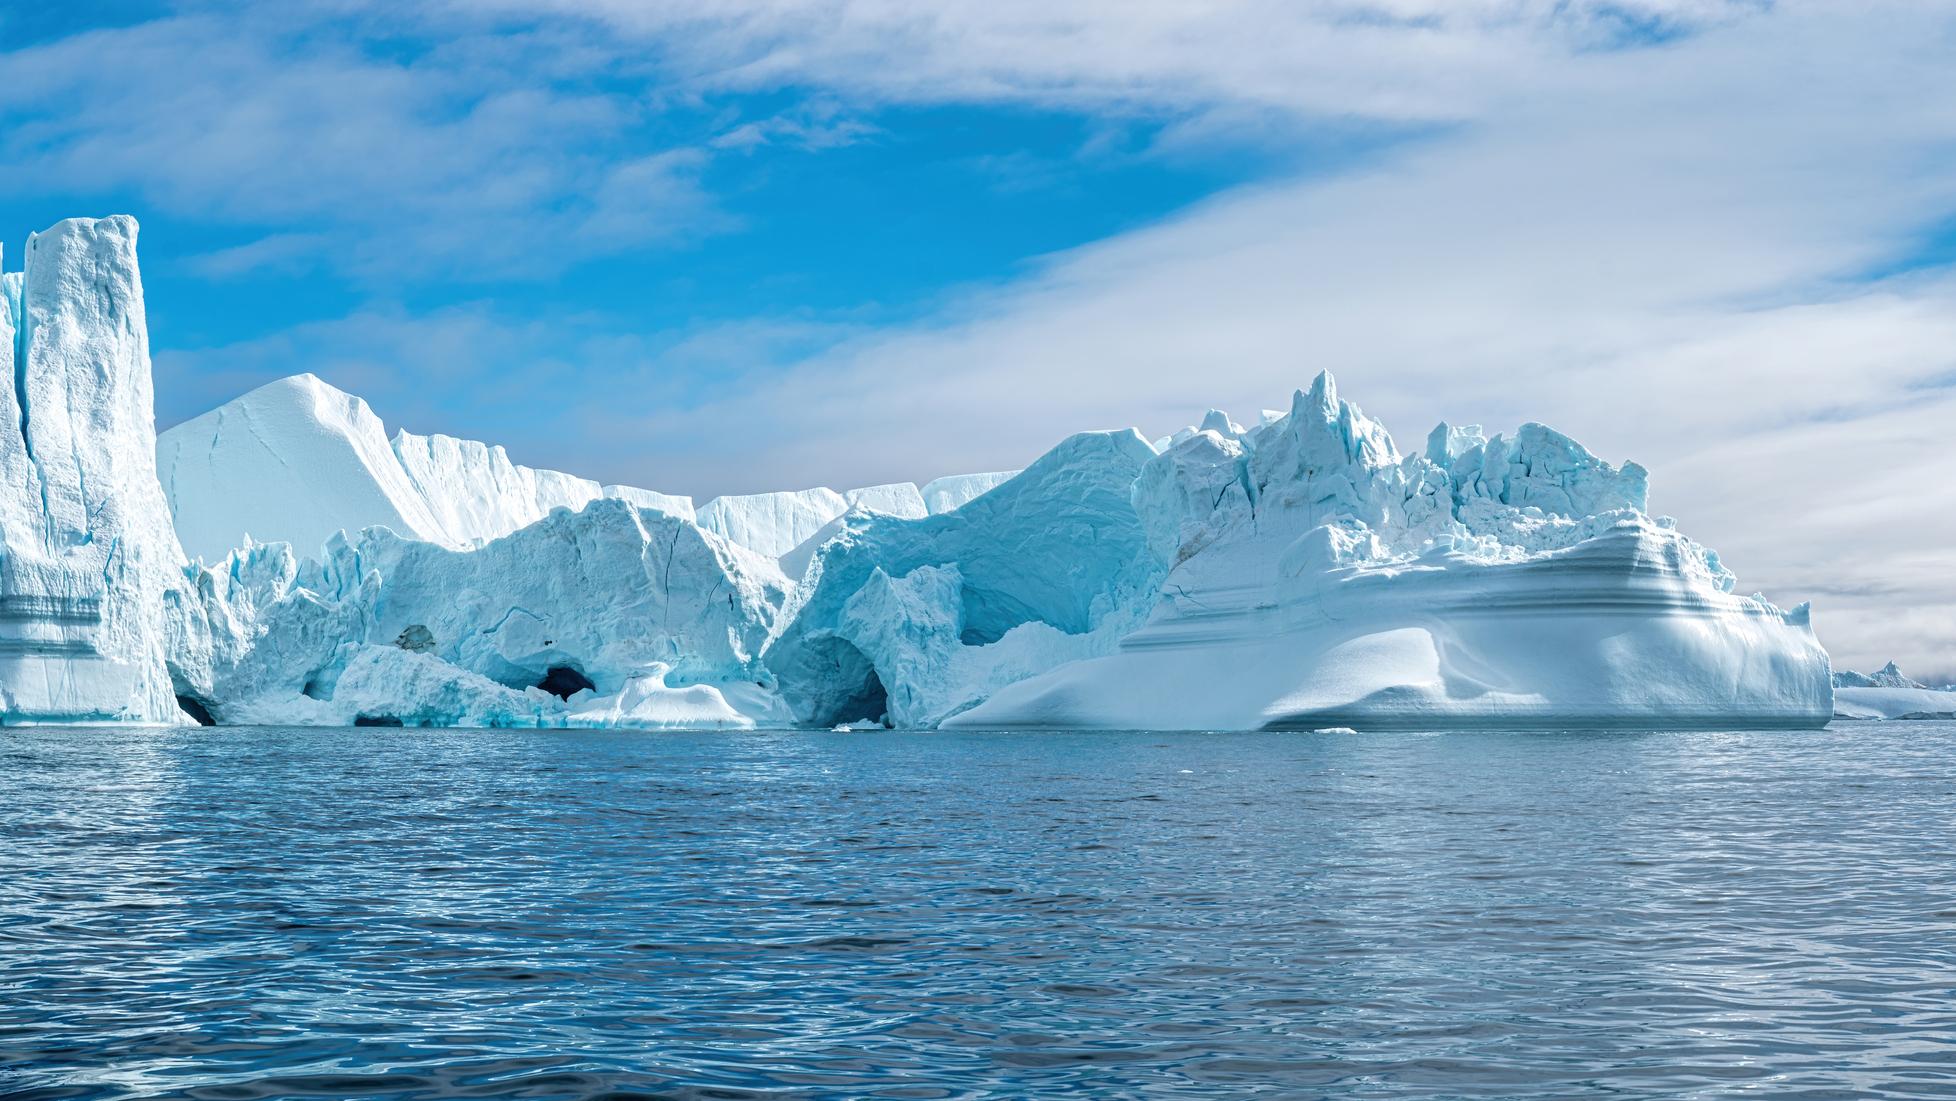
953 490
776 524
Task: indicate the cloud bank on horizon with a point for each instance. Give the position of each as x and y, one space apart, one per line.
760 245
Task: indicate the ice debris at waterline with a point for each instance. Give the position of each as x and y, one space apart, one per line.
1298 574
1888 693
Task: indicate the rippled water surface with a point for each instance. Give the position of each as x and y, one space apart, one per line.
250 913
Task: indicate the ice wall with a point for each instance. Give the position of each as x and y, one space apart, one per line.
87 552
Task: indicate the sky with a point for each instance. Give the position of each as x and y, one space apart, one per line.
733 245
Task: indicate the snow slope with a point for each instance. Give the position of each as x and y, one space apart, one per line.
297 460
87 554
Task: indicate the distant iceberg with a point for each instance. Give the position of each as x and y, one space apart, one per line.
1299 574
1888 693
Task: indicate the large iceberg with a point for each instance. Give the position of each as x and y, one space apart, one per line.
298 460
1302 573
1315 578
87 553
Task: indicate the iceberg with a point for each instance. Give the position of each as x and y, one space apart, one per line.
298 460
924 618
1888 693
777 524
1315 578
772 523
1300 574
87 553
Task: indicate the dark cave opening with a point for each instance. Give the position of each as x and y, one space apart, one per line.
563 682
870 703
196 709
376 720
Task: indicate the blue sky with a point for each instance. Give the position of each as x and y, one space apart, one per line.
746 244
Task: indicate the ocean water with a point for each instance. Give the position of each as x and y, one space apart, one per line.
249 913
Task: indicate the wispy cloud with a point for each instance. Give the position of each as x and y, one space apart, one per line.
474 157
1383 59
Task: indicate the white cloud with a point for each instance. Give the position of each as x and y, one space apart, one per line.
481 155
1401 59
1655 250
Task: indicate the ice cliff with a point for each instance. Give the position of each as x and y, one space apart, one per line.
1301 573
87 553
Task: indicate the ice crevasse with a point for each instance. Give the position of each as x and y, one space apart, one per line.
1302 573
